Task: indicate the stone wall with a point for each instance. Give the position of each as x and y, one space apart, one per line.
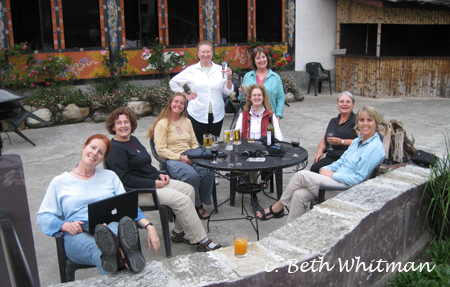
378 222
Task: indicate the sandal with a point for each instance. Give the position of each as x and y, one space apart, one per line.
264 184
275 214
204 247
202 212
179 237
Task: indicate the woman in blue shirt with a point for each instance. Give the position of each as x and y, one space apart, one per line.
263 75
64 209
364 153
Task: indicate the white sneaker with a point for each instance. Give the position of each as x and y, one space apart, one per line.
217 181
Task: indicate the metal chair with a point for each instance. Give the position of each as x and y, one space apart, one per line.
314 70
67 267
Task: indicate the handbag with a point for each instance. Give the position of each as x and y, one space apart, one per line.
424 158
200 152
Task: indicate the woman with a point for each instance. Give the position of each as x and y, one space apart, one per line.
64 209
354 166
207 82
343 127
133 164
262 74
255 118
173 134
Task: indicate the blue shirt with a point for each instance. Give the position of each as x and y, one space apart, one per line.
358 161
67 198
274 88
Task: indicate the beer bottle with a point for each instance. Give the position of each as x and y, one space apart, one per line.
270 133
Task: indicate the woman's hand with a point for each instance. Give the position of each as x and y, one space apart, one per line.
191 96
228 72
159 183
334 141
185 159
318 156
326 172
72 227
153 239
165 178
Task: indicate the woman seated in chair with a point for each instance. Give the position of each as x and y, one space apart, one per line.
173 134
344 132
254 119
133 164
354 166
64 209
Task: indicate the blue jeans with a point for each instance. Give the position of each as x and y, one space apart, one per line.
82 249
202 179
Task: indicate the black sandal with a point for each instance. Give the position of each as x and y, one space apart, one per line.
264 184
179 237
204 247
201 212
275 214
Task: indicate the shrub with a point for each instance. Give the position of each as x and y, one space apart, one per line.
290 86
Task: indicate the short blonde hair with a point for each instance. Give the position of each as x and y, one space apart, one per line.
371 112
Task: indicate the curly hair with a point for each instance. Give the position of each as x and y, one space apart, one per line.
165 114
114 115
248 97
255 53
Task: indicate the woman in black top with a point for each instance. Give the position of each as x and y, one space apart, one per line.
343 129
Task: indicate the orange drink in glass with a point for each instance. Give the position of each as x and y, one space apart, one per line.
240 244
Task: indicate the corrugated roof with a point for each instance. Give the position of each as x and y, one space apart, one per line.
436 2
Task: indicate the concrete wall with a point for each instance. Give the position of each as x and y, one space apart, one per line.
379 221
315 33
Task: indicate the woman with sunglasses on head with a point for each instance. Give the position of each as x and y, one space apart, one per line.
208 82
263 75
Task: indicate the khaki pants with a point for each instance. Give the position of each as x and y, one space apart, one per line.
179 196
303 188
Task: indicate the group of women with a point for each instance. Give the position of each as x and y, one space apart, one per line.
187 187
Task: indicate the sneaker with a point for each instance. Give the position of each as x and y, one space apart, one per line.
106 241
217 181
129 242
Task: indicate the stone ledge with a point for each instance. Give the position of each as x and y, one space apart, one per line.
386 223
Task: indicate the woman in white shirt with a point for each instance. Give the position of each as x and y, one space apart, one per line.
207 82
255 118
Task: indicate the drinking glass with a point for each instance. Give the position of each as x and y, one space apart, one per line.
207 140
227 139
215 140
251 138
215 151
295 143
240 244
330 135
237 137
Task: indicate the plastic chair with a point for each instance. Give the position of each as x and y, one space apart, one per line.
165 213
314 70
323 188
67 267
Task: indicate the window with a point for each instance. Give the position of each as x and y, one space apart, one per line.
81 23
268 20
415 40
183 22
32 24
233 21
359 39
141 22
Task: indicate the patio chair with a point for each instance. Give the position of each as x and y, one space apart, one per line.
317 75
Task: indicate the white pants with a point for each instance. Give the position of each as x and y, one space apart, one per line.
303 188
180 197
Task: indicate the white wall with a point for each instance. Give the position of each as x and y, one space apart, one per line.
315 33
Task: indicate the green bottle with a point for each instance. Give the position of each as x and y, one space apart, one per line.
270 133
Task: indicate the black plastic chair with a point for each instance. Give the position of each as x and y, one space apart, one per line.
163 169
165 213
317 75
324 188
67 267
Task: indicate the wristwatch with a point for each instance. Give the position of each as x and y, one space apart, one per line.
342 142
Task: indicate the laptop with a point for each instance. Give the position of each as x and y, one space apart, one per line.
112 209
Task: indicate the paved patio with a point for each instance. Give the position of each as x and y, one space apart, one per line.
58 150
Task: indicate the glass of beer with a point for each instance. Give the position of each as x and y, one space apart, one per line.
216 140
227 139
251 137
237 137
240 244
207 140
